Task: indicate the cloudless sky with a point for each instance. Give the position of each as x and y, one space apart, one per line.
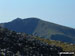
57 11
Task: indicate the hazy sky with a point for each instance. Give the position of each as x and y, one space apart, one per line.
57 11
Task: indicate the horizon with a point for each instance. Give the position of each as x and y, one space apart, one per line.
37 18
55 11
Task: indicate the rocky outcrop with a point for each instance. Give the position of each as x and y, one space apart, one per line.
21 44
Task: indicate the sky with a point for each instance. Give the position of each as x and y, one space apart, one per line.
57 11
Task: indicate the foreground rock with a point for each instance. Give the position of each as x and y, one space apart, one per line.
20 44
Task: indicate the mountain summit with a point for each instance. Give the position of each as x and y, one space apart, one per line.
43 29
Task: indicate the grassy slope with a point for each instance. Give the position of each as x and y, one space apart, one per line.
65 46
46 30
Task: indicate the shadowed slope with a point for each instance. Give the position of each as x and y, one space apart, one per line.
27 25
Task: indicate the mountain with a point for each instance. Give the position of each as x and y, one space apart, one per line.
43 29
20 44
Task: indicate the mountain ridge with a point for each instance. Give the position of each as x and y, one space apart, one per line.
44 29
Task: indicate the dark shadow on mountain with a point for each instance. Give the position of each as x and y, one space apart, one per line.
62 38
27 25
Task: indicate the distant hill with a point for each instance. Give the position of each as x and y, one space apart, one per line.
43 29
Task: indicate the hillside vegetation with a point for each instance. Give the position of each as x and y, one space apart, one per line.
66 46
